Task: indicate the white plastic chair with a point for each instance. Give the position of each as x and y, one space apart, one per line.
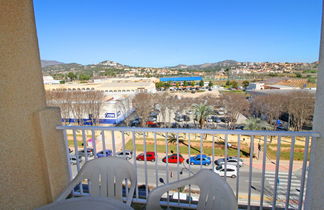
105 177
215 193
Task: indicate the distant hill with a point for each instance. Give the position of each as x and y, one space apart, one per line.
206 65
110 64
45 63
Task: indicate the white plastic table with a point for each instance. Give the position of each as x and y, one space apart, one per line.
86 203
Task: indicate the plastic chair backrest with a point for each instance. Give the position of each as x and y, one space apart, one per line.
105 176
215 193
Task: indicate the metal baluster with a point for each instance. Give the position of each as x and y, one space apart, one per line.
113 143
103 140
250 171
123 152
67 153
167 166
201 150
93 137
302 184
85 147
134 159
263 170
178 175
291 162
189 149
156 161
238 166
145 164
76 150
274 201
213 153
226 155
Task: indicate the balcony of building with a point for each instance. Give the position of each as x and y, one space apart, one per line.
35 159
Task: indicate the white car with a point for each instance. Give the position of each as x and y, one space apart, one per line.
74 159
126 154
231 171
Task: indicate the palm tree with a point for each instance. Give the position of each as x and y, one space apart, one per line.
172 138
201 112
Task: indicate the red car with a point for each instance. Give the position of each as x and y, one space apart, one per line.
150 156
173 158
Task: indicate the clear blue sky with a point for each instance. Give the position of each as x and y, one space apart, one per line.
170 32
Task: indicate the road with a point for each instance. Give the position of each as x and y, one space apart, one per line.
157 170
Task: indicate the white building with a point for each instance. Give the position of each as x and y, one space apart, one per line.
255 86
49 80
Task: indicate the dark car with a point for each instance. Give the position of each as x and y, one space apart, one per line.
173 159
150 156
89 152
186 118
105 153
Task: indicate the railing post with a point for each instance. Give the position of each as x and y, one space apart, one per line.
315 183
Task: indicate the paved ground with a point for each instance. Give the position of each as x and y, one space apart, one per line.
149 173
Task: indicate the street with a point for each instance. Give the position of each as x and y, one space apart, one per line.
171 173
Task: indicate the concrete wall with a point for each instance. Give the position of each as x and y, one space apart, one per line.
315 184
33 168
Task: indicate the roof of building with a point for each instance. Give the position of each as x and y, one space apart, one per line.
178 79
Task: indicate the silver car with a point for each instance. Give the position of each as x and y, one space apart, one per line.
230 161
126 154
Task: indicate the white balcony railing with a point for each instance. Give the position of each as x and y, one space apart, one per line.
274 171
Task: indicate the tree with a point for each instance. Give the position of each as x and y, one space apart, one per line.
185 83
172 138
245 84
177 84
71 76
210 84
143 104
300 108
227 71
193 83
234 84
235 104
256 124
201 83
201 112
84 77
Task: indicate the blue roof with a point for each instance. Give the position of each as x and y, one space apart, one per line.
176 79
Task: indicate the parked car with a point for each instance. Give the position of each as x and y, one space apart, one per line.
209 120
230 161
153 119
74 159
204 159
189 112
225 119
126 154
173 158
135 122
186 118
105 153
239 127
231 171
178 118
141 191
89 152
150 156
216 119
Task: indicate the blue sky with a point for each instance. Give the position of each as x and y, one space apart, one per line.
170 32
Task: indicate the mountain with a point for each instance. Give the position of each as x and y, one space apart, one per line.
45 63
110 64
219 64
